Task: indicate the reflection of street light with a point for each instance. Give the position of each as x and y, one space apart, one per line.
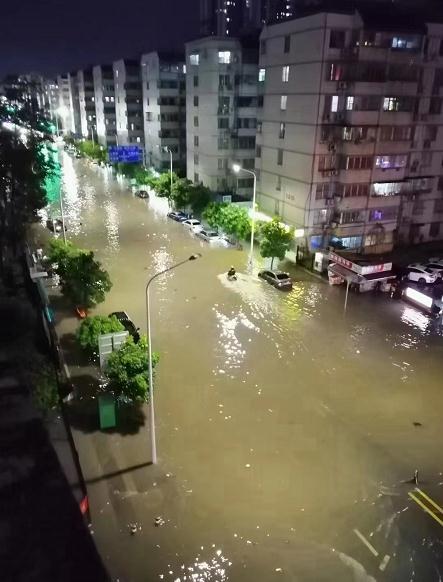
237 168
151 381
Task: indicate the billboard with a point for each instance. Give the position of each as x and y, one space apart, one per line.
128 154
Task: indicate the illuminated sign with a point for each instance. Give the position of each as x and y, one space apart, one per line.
125 154
418 297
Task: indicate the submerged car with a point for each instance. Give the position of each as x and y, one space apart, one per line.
193 224
55 225
178 216
128 324
210 236
142 194
279 279
421 274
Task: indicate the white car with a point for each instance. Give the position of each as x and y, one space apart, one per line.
194 225
210 236
421 274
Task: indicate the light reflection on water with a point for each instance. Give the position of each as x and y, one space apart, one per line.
112 224
214 568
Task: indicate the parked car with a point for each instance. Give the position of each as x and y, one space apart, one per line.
142 194
55 225
438 260
210 236
279 279
421 274
436 268
193 224
178 216
128 324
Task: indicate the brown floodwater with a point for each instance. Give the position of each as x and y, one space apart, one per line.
285 427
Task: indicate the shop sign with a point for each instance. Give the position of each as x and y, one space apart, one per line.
344 262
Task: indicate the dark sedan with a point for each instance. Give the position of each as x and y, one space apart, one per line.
54 225
128 324
178 216
278 279
142 194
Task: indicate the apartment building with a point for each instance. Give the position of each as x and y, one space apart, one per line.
221 111
74 105
64 104
50 95
350 136
86 97
104 93
164 109
128 101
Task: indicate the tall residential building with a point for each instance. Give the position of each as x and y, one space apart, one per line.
51 100
63 111
104 93
74 105
128 101
86 97
350 136
221 111
164 109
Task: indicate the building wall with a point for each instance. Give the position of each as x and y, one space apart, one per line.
359 155
128 102
86 98
164 110
64 104
74 105
218 96
105 105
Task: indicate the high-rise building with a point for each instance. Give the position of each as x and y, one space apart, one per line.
74 105
104 93
63 110
86 97
128 101
164 109
350 135
221 111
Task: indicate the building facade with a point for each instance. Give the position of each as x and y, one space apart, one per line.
86 96
350 135
128 102
104 94
63 111
221 111
74 105
164 109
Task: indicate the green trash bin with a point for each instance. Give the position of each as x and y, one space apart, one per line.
106 409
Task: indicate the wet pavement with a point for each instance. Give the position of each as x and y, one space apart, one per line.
287 430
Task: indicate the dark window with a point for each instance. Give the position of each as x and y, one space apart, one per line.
196 177
195 121
434 229
280 157
195 100
196 141
441 48
195 80
258 151
287 44
259 126
263 47
337 39
281 133
435 106
223 122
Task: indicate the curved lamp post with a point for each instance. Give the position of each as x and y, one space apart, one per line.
151 381
237 169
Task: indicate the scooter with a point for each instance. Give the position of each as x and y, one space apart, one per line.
232 277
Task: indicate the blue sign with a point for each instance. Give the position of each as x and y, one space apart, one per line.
125 154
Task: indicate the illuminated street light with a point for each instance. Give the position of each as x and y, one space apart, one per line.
237 169
151 380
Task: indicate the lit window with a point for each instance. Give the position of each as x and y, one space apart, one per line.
334 103
224 57
285 74
138 139
283 102
350 103
194 59
261 75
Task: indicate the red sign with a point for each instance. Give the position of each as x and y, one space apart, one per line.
84 505
341 261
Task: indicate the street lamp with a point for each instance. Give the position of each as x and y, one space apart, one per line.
237 169
151 381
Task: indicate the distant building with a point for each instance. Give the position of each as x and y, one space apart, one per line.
128 102
221 111
104 93
63 110
86 98
350 134
74 106
164 109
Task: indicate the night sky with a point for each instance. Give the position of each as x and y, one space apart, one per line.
56 36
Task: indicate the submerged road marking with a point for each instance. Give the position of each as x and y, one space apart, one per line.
425 507
384 563
431 501
366 542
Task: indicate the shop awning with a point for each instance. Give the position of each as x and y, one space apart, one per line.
344 273
382 276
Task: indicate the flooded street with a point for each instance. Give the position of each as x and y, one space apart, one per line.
286 433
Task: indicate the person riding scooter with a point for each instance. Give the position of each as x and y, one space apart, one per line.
232 274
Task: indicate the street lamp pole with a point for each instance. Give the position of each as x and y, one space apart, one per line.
237 168
150 371
170 158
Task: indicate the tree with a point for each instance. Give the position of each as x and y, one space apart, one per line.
276 240
235 221
92 150
162 184
59 252
181 193
199 197
45 392
144 177
127 370
92 327
212 214
83 280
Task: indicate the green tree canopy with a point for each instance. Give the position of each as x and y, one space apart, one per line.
212 214
235 221
92 327
275 240
92 150
162 184
59 252
127 370
83 280
199 197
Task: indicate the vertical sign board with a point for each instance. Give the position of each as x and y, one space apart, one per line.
125 154
106 409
